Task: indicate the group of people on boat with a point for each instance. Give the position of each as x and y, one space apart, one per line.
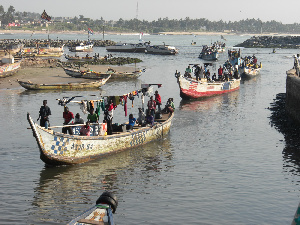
225 72
251 62
107 105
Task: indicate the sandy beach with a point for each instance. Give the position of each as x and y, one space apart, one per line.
48 75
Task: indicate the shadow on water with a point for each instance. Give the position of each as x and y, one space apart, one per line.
291 131
66 191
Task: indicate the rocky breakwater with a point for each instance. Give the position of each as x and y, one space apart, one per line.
293 95
271 42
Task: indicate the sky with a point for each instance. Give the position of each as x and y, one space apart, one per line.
285 11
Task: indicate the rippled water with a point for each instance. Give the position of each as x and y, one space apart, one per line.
222 163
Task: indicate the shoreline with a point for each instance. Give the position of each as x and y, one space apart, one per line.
53 75
9 32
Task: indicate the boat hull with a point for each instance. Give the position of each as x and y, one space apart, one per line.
68 86
192 89
210 57
10 69
62 149
248 72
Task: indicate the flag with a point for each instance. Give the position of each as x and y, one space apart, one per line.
91 31
45 16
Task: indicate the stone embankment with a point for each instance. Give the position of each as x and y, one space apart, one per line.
50 62
271 42
293 95
4 43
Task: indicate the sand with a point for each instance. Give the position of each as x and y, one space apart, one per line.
47 75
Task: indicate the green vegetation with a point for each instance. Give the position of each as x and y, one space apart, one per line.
33 21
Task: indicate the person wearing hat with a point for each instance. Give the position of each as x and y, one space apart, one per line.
68 116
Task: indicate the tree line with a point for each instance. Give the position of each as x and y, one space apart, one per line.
29 20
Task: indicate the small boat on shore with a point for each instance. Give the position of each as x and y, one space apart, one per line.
9 66
161 50
68 86
57 148
101 213
191 88
81 59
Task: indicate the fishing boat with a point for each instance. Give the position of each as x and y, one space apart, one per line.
101 213
73 72
9 66
78 58
68 86
191 88
209 53
161 50
128 47
249 68
89 74
82 47
57 148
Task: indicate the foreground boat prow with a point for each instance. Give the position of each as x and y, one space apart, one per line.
101 213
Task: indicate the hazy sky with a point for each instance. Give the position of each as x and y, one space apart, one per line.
285 11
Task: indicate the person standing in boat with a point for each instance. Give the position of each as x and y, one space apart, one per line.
158 100
44 114
151 106
68 116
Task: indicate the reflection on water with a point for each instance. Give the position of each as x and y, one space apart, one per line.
227 99
291 132
64 192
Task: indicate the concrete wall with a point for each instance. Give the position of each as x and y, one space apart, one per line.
293 95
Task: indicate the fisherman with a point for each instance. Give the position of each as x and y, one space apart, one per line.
92 117
151 106
68 116
131 123
220 73
158 100
44 114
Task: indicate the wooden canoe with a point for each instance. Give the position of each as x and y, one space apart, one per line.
67 86
10 69
57 148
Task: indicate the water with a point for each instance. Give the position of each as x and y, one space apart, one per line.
222 162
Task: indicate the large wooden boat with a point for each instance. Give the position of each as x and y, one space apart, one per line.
57 148
101 213
67 86
128 47
81 59
9 66
73 72
249 68
190 88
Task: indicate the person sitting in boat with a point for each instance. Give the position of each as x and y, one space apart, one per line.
131 123
149 119
78 119
68 116
170 107
214 77
85 130
188 72
141 117
92 117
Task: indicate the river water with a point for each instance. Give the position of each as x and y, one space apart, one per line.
222 162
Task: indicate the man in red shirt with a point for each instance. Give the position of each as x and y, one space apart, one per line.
158 100
68 116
